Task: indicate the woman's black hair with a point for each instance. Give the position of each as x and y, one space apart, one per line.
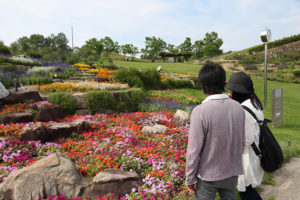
239 97
212 78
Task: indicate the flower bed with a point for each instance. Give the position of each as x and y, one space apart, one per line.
81 87
166 100
101 71
22 107
106 73
167 95
113 141
36 75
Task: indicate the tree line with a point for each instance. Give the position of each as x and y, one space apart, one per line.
56 47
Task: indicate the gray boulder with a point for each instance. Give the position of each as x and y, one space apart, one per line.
52 175
16 118
114 181
80 98
22 96
153 130
181 118
46 114
53 131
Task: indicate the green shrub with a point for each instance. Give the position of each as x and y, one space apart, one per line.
8 67
124 102
171 84
119 101
4 49
35 80
64 100
282 66
250 67
130 76
151 79
291 64
148 79
100 101
137 95
297 73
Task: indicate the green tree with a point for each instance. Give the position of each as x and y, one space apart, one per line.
91 50
61 42
198 48
212 44
21 45
186 48
52 47
129 49
109 45
4 49
153 47
36 41
172 49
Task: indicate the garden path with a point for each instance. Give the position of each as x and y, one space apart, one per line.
287 181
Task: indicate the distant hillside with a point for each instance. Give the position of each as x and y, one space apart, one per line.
285 48
275 43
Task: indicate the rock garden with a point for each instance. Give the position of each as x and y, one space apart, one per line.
91 132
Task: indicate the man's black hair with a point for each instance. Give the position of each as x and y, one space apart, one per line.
212 78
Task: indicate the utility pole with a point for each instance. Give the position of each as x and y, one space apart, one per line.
265 38
72 38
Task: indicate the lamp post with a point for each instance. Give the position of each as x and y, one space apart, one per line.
265 36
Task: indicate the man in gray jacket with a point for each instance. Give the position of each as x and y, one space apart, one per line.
216 140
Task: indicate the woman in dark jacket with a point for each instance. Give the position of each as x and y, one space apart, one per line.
241 89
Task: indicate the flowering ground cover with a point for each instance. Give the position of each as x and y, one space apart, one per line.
81 86
35 75
113 141
22 107
106 73
167 100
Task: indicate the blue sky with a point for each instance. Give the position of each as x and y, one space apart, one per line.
237 22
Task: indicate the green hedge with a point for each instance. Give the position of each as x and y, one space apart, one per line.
250 67
64 100
116 101
297 73
276 43
147 79
172 84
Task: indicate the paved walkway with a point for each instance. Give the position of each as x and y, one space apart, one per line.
287 181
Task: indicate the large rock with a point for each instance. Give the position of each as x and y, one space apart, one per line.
181 118
16 118
37 131
53 131
22 96
46 114
153 130
53 175
114 181
80 99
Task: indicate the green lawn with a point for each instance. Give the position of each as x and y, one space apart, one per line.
170 67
